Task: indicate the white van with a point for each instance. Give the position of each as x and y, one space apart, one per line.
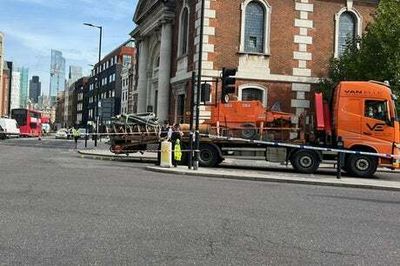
9 127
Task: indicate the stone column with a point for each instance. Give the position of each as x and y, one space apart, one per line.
142 79
164 74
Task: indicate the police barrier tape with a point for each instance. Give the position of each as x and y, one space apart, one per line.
268 143
153 151
299 146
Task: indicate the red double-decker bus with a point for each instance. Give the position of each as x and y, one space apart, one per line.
29 122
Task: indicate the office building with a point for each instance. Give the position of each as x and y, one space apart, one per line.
105 84
75 73
24 86
35 89
5 94
2 89
7 78
15 90
57 74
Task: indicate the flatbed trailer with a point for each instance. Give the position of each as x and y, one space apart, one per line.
304 158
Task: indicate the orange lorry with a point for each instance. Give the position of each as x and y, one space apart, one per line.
361 122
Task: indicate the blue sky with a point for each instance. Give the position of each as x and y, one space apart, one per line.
33 27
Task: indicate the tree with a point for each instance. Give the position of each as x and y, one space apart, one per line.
374 56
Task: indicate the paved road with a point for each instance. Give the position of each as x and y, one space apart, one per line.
59 209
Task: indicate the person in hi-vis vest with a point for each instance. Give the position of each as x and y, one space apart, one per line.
176 139
75 135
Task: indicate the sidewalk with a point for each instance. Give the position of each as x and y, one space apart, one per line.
102 154
258 171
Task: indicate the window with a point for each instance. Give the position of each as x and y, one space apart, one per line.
184 31
376 110
252 94
347 30
127 60
348 26
254 27
180 108
135 103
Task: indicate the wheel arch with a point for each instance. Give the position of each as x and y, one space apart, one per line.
363 147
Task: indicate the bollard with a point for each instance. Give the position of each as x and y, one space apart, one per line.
340 158
190 153
166 154
86 136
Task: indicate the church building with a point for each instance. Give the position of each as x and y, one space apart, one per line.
281 49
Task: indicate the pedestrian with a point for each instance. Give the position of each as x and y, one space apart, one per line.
75 135
176 139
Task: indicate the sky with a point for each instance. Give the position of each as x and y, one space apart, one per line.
33 27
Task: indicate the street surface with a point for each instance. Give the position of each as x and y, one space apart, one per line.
59 209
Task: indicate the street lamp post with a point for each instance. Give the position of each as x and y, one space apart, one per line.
96 92
197 133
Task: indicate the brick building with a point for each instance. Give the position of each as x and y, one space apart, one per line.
281 48
3 91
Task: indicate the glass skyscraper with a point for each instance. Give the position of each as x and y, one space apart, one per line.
75 73
24 86
35 89
57 74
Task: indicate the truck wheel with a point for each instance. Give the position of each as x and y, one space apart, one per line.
209 156
249 131
304 161
362 165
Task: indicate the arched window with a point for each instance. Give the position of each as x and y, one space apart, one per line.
254 28
252 94
184 32
347 30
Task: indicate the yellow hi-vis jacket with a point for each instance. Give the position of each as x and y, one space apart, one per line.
75 133
177 151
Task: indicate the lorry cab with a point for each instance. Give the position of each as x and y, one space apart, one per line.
9 127
365 118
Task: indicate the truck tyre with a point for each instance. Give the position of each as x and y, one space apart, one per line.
305 161
362 165
209 156
248 131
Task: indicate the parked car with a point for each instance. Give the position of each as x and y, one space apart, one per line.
63 133
46 128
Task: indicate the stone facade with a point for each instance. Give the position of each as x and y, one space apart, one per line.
299 38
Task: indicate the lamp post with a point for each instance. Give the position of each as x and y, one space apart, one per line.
197 133
96 92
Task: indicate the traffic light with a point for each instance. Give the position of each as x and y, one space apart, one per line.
205 92
228 83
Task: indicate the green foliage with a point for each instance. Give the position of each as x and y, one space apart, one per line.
374 56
